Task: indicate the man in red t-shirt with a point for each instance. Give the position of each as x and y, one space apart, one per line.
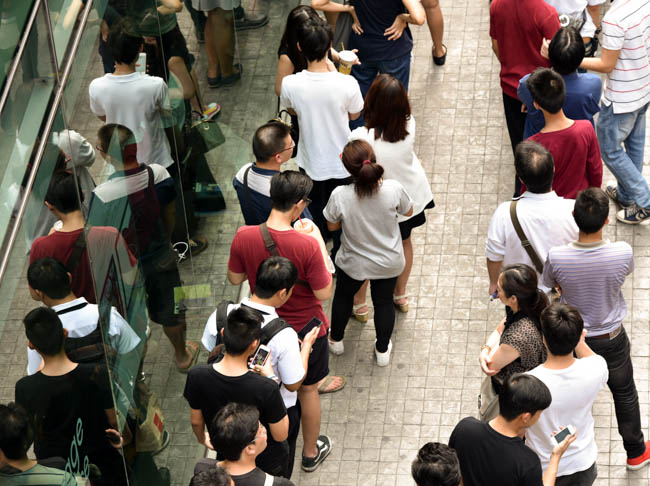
517 29
307 251
573 143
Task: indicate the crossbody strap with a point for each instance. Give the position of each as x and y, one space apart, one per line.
525 242
273 250
77 251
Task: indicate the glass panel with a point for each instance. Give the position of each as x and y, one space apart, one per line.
13 16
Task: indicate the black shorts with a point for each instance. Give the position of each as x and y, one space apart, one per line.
173 44
405 227
160 287
319 361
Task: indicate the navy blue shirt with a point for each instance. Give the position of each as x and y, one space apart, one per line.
375 16
583 92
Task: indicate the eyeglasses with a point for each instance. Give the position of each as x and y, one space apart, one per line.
293 145
261 432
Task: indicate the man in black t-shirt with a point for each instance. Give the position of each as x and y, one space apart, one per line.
494 452
70 404
211 387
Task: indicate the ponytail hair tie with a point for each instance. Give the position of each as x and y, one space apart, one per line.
366 162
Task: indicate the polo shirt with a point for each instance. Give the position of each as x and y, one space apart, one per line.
583 92
284 346
625 28
83 321
591 276
546 220
519 26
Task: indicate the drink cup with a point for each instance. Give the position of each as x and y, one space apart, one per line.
304 226
346 60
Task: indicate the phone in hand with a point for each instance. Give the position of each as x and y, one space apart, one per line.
260 356
315 322
564 433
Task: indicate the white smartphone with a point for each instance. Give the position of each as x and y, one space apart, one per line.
141 63
260 356
564 433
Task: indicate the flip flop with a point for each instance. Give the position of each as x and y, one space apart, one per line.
322 389
193 348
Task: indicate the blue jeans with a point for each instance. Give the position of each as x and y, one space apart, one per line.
616 131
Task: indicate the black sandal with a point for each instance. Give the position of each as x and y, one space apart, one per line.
439 61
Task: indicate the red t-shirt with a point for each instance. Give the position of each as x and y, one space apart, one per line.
519 26
576 156
248 251
101 240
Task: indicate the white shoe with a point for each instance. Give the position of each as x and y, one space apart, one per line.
336 347
383 358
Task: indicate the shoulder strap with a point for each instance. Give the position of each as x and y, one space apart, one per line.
271 329
222 315
247 192
75 257
273 250
150 172
539 266
268 481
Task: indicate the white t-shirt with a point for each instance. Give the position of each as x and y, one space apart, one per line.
284 346
573 391
400 163
83 321
135 101
322 102
575 8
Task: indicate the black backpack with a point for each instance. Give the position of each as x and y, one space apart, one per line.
86 349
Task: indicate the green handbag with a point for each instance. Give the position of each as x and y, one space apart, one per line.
204 136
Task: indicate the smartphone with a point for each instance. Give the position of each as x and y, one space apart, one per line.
260 356
315 322
564 433
141 63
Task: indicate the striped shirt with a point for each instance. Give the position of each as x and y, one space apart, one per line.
591 276
626 28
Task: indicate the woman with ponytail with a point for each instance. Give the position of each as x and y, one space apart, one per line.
516 345
371 246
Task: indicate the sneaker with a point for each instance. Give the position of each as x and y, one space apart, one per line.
336 347
324 445
197 245
612 192
248 22
635 463
383 358
633 214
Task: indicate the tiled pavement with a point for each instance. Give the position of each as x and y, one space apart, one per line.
383 415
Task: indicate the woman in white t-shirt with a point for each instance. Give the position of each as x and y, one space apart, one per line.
371 246
390 130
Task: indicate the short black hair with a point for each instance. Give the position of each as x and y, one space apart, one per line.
591 210
562 327
64 193
233 428
315 38
534 166
522 393
44 330
123 41
215 476
115 139
16 431
566 50
269 140
243 326
274 274
50 277
289 188
436 465
547 89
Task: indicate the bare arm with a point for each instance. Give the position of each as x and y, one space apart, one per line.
494 269
170 6
603 64
280 430
285 68
198 427
582 349
236 278
416 14
495 47
305 352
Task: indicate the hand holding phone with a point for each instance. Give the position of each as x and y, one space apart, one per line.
315 322
261 356
562 440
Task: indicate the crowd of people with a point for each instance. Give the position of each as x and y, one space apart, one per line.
339 224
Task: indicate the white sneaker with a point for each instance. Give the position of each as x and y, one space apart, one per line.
336 347
383 358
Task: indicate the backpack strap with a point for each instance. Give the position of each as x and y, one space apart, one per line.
247 192
525 242
271 329
222 316
268 481
273 250
75 257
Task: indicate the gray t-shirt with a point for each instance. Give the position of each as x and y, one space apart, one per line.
371 244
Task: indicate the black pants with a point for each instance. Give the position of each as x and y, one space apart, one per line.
319 195
381 291
581 478
294 414
515 120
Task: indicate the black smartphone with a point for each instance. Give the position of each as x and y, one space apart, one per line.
315 322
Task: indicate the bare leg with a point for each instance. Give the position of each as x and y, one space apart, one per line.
400 286
176 336
211 33
436 24
332 17
360 296
310 404
177 66
220 33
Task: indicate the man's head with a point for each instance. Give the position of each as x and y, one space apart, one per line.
48 279
290 192
547 89
522 398
16 433
44 331
314 39
272 143
63 195
534 166
591 210
436 465
215 476
566 50
117 144
123 42
275 279
562 327
242 331
237 433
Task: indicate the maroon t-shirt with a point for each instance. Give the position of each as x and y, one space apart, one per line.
519 26
576 155
248 251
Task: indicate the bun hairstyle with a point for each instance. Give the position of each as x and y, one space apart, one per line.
359 160
521 281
